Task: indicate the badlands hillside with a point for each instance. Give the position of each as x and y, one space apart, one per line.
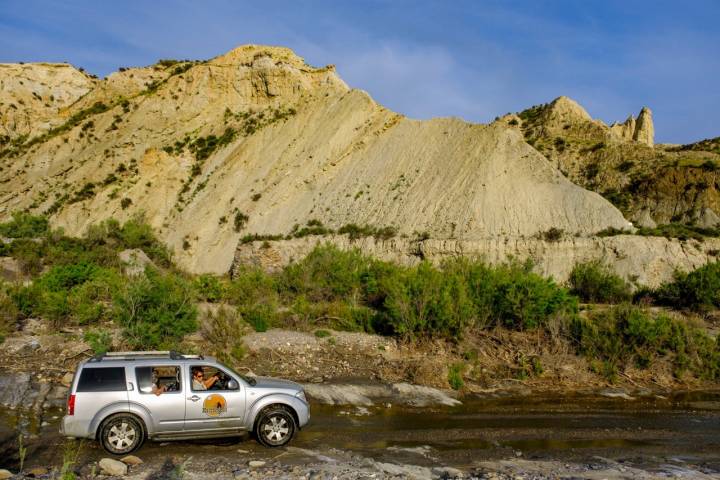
257 142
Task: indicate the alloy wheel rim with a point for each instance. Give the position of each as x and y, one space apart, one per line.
121 436
276 429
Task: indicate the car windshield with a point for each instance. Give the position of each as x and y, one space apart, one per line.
249 380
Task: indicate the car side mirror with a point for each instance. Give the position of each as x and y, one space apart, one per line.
232 384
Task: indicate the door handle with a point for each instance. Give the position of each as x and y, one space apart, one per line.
194 398
131 387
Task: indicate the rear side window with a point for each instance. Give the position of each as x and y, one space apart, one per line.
158 380
102 380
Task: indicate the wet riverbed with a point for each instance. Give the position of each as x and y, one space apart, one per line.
646 431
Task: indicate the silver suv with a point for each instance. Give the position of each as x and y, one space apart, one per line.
122 398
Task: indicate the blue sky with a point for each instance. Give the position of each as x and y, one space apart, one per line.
472 59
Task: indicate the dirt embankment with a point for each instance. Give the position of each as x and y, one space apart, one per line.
357 368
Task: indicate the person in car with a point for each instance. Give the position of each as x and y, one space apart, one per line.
198 379
157 389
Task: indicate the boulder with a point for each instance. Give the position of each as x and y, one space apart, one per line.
5 474
10 269
67 379
131 460
37 472
15 389
708 218
256 463
113 467
645 220
134 261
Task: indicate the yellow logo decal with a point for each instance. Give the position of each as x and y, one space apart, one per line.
214 405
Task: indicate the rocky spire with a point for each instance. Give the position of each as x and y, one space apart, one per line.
640 130
644 130
625 130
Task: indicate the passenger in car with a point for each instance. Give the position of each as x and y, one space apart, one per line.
157 389
198 379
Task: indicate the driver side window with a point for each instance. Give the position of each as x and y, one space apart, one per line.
204 377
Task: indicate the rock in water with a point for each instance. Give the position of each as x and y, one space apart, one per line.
113 467
131 460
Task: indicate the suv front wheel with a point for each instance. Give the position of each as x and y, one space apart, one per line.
275 427
121 434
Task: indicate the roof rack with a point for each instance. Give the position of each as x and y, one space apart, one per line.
171 354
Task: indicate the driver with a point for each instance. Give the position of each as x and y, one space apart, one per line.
198 379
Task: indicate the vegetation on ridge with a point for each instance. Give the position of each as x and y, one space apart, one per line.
81 281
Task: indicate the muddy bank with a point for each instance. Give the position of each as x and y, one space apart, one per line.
355 368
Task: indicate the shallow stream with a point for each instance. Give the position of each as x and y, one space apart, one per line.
684 428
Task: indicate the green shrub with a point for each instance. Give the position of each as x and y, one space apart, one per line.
134 233
698 290
355 232
155 310
596 283
552 234
455 376
322 333
240 221
511 295
24 225
250 286
624 335
223 329
680 231
209 288
425 301
9 313
260 316
326 274
99 340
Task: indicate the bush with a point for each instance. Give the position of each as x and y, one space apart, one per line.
223 329
596 283
680 231
99 340
9 313
552 234
698 290
425 301
624 334
209 288
355 232
455 376
322 333
24 225
346 290
240 221
134 233
156 310
326 274
260 317
511 295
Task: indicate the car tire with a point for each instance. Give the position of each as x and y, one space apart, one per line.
121 434
275 426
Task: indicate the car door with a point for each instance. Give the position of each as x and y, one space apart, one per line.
220 410
160 389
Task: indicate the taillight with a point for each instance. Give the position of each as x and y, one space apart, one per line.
71 405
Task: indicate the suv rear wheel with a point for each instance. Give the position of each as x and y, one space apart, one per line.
275 427
121 434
